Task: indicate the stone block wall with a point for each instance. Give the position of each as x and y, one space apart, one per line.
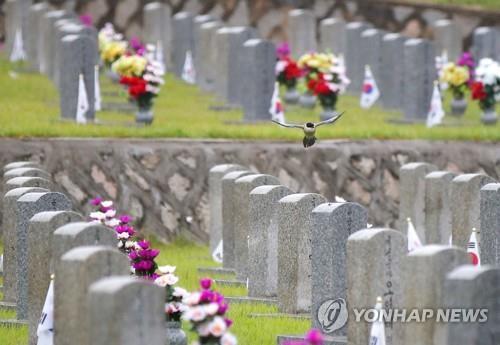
163 183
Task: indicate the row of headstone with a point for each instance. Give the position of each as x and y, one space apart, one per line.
42 238
318 257
444 207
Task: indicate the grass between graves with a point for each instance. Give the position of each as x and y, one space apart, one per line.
491 4
29 108
188 257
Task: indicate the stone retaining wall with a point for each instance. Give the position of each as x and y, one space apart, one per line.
163 183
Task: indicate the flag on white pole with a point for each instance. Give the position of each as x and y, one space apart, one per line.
83 102
188 72
18 53
473 249
45 330
159 53
377 332
370 93
276 109
217 254
436 112
97 89
413 240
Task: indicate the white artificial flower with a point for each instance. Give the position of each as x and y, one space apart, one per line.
212 308
180 292
130 244
106 203
228 339
123 236
167 279
97 215
153 89
217 327
119 244
112 222
110 213
280 66
203 329
196 314
192 299
166 269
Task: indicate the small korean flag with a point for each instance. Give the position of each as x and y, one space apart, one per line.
370 93
188 72
276 108
436 112
18 53
83 102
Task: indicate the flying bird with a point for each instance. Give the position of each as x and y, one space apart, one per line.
309 128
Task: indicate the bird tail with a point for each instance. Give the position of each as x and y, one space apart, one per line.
309 141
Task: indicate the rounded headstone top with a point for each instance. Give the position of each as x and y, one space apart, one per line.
330 207
257 178
55 14
23 164
442 22
17 192
302 197
20 172
27 181
298 12
153 6
435 249
39 6
234 175
49 216
183 15
210 25
116 283
331 21
391 36
74 229
367 234
471 272
482 30
270 189
370 32
355 25
416 165
220 168
440 174
472 177
84 252
36 196
495 187
203 18
414 42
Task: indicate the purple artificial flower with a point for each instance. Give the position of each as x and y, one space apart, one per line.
144 265
96 201
86 20
125 218
206 283
228 322
133 255
125 228
148 254
314 337
137 46
206 296
283 50
143 244
222 308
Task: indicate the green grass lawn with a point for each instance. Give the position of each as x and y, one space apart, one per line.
29 108
492 4
188 257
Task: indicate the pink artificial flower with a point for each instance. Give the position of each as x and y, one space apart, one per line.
96 201
314 337
206 283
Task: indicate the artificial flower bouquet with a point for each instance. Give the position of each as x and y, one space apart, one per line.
328 85
288 73
314 63
111 45
175 295
206 311
457 78
486 86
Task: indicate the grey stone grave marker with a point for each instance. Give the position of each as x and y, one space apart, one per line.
198 58
27 206
21 164
483 43
63 28
353 60
78 269
437 207
113 322
228 216
465 206
24 172
331 225
20 182
263 240
412 196
371 51
294 251
241 203
470 287
489 210
36 12
41 227
391 71
158 27
423 276
301 32
182 39
373 269
77 57
448 38
332 36
215 176
206 71
10 240
259 58
45 46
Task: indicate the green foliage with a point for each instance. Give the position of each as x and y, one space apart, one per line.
29 108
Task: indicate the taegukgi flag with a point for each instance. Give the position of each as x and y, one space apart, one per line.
436 111
473 248
370 93
45 330
83 102
413 239
18 53
217 255
188 71
276 109
377 332
97 90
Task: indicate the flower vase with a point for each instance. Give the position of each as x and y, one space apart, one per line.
291 96
327 113
489 116
307 100
458 106
113 76
144 115
175 334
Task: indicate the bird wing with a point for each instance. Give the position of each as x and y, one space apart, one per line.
329 121
288 125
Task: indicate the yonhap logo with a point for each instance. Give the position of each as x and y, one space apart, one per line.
332 315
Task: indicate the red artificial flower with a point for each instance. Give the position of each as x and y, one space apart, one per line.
292 70
477 91
136 86
321 88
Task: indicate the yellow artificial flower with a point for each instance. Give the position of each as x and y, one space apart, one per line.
454 75
130 66
112 51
